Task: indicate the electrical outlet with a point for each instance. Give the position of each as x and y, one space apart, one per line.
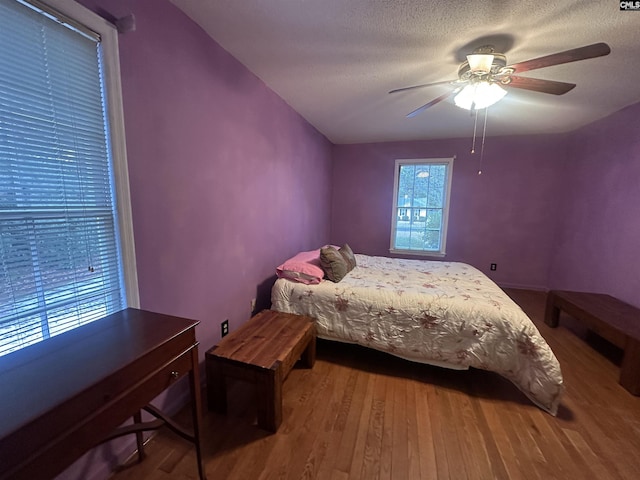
494 267
224 328
253 305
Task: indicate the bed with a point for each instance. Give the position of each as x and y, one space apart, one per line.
447 314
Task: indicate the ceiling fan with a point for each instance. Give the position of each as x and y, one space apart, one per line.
482 78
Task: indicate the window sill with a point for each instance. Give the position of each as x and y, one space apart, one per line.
418 253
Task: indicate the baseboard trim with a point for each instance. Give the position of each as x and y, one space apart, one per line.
518 286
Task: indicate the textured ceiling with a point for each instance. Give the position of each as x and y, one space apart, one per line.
334 61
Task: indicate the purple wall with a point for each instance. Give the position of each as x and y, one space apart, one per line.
215 161
598 238
503 216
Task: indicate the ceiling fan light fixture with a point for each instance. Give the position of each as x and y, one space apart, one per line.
479 95
480 62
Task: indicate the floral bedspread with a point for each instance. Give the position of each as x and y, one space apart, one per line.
442 313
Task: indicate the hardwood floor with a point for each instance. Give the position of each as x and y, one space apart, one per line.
361 414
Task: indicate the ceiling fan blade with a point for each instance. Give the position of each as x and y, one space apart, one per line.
539 85
573 55
432 103
404 89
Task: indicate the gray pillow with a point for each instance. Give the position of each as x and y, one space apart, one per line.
348 255
336 263
333 263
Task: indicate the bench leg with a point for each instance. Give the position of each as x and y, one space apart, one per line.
269 398
216 386
309 354
630 370
552 312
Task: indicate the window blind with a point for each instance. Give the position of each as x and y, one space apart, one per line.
60 263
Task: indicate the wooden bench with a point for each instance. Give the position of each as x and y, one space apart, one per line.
612 319
262 351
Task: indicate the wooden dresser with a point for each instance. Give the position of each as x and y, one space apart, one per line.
65 395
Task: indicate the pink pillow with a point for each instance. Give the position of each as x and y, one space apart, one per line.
304 268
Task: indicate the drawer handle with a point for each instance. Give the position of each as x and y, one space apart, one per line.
175 374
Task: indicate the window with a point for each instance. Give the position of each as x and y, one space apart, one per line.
66 242
421 206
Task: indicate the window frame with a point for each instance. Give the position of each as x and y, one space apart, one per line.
448 162
116 135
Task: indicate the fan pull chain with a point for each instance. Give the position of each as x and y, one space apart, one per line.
484 134
475 124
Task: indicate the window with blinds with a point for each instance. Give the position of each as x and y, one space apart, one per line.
421 194
60 257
